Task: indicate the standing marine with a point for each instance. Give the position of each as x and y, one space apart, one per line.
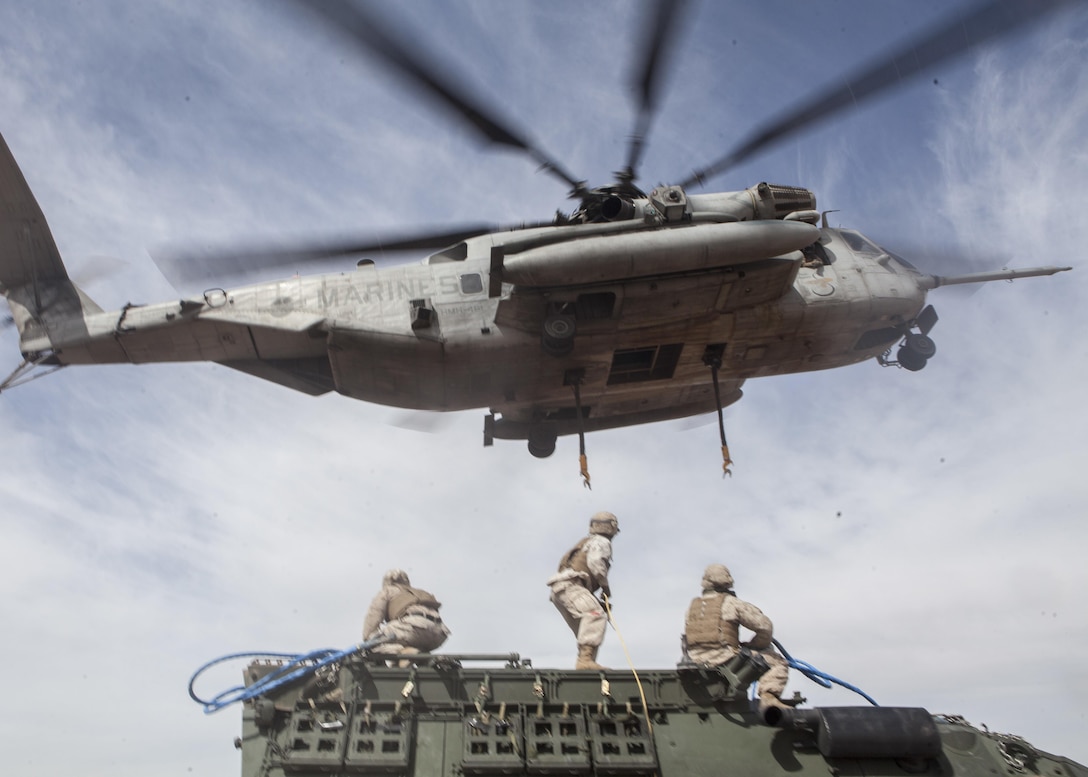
712 632
407 616
583 571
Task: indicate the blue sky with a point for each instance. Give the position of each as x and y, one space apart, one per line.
919 535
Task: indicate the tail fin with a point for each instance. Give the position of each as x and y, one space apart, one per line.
42 298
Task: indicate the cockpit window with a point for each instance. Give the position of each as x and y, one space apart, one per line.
901 260
859 244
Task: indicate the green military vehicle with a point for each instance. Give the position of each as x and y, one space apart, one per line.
447 715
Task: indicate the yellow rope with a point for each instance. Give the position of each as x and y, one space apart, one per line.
638 682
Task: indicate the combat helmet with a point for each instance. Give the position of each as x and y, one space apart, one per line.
718 577
394 577
604 523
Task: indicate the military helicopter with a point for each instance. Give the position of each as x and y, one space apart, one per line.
633 308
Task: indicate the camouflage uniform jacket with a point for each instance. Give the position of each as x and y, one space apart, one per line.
396 600
586 563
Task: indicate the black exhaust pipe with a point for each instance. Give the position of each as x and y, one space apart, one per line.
863 732
617 209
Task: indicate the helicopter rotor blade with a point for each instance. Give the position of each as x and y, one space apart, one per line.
364 30
946 41
659 32
183 267
97 268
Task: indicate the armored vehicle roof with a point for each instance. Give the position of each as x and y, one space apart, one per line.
444 717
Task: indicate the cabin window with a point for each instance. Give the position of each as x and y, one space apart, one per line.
471 283
632 365
596 305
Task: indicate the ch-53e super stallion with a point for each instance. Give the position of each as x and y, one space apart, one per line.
636 307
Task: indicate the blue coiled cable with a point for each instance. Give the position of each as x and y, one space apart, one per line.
298 665
821 678
303 664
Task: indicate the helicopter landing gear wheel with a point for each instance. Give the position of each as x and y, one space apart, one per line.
916 350
558 336
542 441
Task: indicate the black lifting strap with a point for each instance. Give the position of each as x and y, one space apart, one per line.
714 361
575 380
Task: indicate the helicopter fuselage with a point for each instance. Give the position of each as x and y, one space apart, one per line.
441 336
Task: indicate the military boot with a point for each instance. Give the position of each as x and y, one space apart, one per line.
587 657
404 663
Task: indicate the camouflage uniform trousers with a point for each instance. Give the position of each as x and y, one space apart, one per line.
773 680
581 610
413 632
